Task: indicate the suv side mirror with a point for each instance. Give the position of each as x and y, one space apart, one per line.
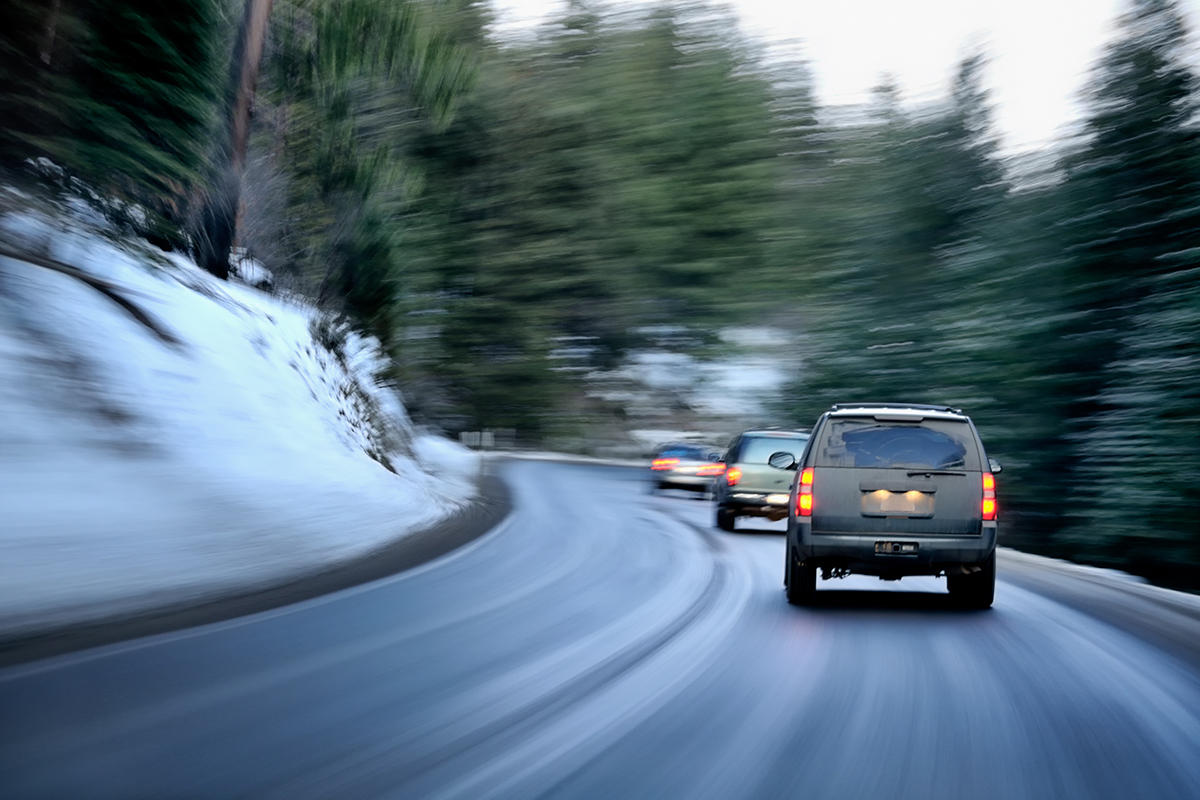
782 460
995 466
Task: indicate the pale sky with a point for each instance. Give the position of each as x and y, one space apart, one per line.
1041 50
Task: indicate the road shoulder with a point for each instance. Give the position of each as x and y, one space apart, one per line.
406 552
1166 618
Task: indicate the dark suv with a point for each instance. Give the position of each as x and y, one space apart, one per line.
892 490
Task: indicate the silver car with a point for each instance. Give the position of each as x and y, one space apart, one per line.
684 466
751 487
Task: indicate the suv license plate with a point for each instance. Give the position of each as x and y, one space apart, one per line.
882 503
896 548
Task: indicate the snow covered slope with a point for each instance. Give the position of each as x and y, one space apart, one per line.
201 436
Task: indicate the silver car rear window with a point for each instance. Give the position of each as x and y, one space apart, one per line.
874 444
757 449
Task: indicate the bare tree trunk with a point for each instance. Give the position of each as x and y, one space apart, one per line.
254 38
218 219
51 32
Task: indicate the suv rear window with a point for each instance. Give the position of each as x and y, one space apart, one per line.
874 444
757 449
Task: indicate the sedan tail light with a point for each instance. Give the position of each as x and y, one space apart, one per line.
989 496
660 464
711 469
804 494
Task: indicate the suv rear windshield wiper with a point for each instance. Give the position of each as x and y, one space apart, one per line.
912 472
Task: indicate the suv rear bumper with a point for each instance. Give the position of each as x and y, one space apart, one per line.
857 551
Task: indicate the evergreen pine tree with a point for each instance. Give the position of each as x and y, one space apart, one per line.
1131 341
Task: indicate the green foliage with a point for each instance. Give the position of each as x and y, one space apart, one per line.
610 175
914 194
121 94
343 82
1130 327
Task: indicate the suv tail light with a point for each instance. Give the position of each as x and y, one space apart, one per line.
989 496
804 495
732 476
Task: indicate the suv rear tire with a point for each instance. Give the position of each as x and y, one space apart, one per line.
977 589
725 518
800 582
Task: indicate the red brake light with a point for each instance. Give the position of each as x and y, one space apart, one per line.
732 476
711 469
660 464
804 499
988 507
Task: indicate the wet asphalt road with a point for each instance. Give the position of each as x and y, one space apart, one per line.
606 643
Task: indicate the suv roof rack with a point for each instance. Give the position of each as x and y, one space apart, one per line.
914 406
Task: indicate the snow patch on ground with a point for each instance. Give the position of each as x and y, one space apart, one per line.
251 271
573 458
251 443
742 384
1133 584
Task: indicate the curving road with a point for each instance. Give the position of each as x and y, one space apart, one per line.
606 643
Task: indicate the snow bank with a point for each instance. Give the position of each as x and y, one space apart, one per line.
250 271
1132 584
204 437
443 456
